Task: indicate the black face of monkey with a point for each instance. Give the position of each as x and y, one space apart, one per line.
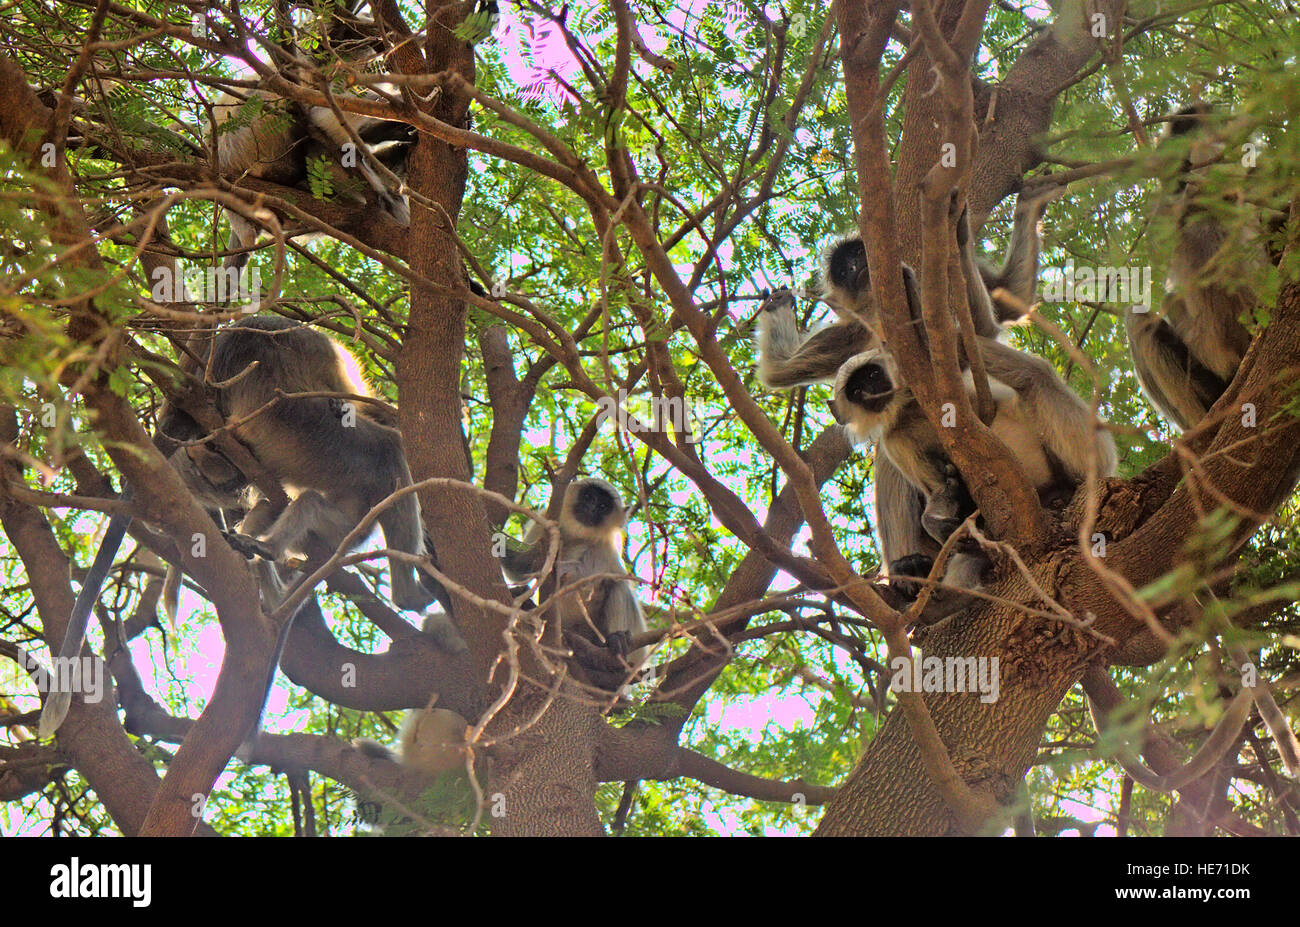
593 505
1189 118
847 267
869 387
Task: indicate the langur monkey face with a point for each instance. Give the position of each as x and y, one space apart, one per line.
593 507
846 267
209 475
866 387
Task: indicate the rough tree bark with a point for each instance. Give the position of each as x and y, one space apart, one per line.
992 745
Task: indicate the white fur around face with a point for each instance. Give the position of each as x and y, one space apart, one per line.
610 531
864 427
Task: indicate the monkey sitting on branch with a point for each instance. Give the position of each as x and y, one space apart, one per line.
606 612
789 357
261 134
1046 426
334 460
1186 354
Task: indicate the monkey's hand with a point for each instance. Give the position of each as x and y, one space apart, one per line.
948 508
912 565
620 642
250 547
778 338
781 299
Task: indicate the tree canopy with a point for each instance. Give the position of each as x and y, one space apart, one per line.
601 197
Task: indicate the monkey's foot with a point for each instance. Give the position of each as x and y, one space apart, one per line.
250 547
912 565
602 666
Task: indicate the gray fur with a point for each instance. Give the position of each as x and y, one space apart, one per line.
1019 272
607 608
334 470
788 357
1186 354
280 142
1046 425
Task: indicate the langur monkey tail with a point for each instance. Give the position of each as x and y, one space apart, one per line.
1002 297
171 593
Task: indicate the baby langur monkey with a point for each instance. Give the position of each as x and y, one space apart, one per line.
1044 424
591 538
1186 354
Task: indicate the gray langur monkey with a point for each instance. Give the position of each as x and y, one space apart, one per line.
591 524
1045 425
430 742
260 134
335 459
789 357
282 142
1186 354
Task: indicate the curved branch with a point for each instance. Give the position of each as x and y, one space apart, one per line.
1224 736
